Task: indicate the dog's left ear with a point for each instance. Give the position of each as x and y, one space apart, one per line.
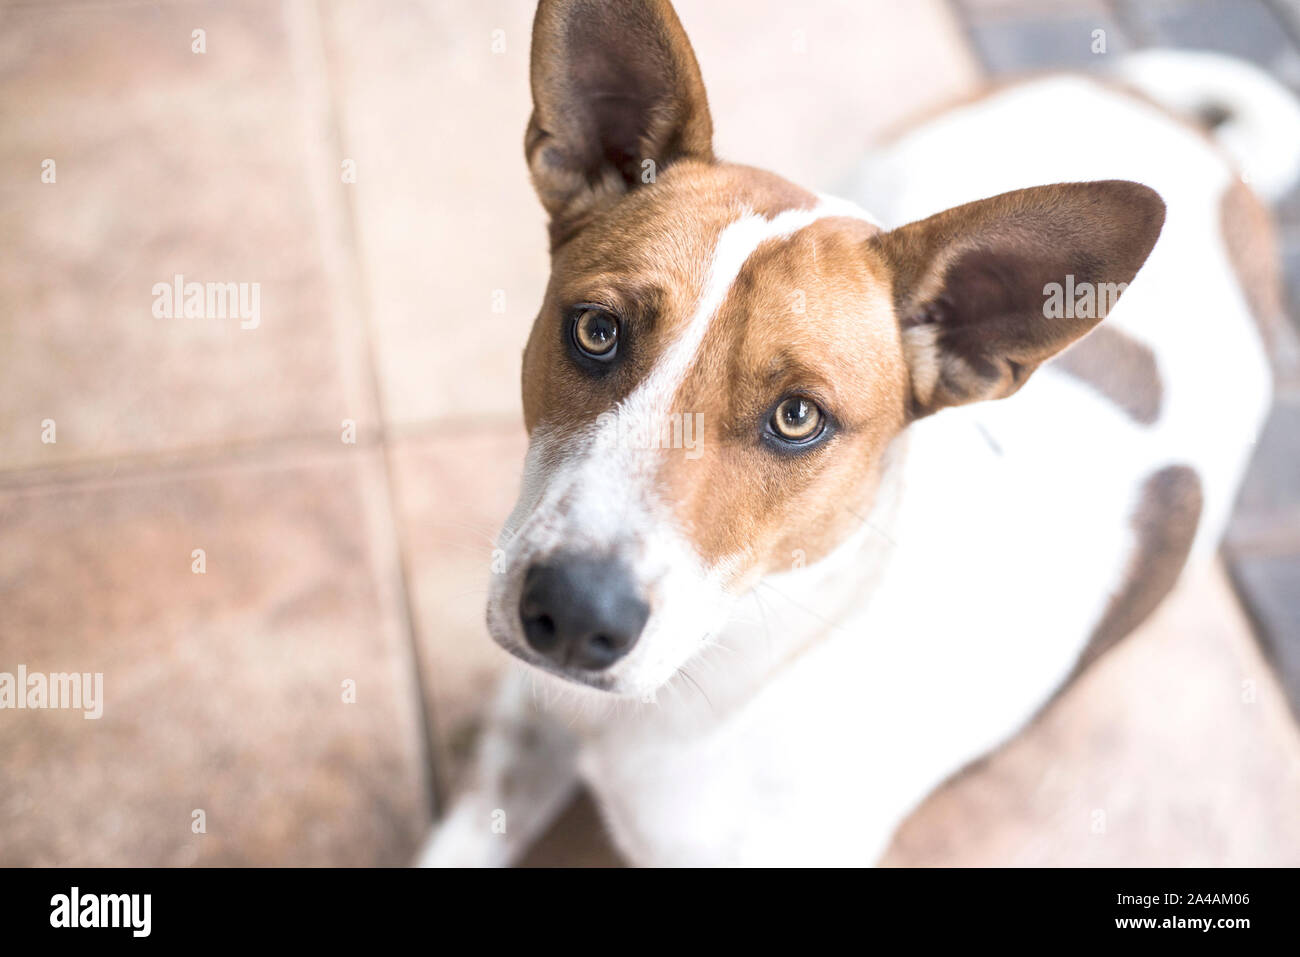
974 285
617 97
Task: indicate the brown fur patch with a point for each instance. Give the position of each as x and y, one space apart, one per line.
1120 368
1165 524
808 315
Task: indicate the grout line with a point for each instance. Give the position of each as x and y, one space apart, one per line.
310 30
177 463
1274 648
186 459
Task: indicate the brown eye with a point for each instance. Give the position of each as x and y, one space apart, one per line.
596 333
797 419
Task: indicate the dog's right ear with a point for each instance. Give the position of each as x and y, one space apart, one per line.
971 284
617 97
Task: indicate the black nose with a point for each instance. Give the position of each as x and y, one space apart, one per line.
581 612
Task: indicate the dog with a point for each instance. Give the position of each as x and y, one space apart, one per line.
927 486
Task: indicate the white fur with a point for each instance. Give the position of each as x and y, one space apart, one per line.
813 726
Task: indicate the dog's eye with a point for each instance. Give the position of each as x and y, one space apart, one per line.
595 332
797 420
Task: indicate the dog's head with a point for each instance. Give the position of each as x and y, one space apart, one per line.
722 358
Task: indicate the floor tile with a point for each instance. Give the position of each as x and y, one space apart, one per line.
1269 585
1262 546
167 162
1267 513
803 90
452 238
1042 40
223 691
1287 213
1290 238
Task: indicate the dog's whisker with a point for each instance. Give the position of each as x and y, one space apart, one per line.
865 520
686 674
804 608
446 543
486 531
480 590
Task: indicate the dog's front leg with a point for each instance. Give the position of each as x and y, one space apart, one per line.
524 774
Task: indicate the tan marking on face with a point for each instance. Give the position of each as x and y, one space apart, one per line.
808 315
1120 368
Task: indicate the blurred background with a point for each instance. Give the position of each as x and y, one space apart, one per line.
274 541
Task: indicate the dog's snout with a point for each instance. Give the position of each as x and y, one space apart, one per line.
581 612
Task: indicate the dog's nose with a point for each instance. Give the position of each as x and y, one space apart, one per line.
581 612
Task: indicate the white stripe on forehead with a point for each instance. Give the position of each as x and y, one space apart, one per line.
736 244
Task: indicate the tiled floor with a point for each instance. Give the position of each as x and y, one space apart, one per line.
363 163
224 691
166 162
